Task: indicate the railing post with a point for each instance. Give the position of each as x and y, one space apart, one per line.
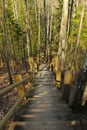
20 87
52 65
56 64
58 78
31 61
68 78
84 97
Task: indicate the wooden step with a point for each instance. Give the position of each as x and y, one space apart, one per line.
58 107
45 117
42 111
46 125
45 109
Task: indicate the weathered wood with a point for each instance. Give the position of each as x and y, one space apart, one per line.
58 78
68 77
36 67
11 87
51 67
31 63
45 109
4 121
20 87
84 97
56 63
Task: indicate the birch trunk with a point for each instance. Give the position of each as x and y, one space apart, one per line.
63 34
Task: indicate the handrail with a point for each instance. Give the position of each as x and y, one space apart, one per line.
12 110
10 88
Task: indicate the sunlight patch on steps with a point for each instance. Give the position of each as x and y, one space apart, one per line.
74 122
41 94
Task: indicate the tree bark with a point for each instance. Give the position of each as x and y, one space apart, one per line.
78 37
63 34
29 46
5 52
45 32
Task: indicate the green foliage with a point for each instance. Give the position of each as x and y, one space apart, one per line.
83 38
15 21
75 26
72 41
56 25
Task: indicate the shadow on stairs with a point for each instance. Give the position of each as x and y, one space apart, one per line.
45 110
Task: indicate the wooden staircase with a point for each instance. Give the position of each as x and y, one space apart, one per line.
45 110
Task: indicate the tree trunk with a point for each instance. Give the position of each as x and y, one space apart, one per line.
45 32
36 27
50 33
63 34
71 3
29 45
5 43
24 53
78 37
39 34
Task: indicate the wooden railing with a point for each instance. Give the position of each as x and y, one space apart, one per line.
18 102
10 88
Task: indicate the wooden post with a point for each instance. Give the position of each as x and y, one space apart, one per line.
1 63
58 78
68 78
31 61
52 65
20 87
36 67
56 63
30 81
84 98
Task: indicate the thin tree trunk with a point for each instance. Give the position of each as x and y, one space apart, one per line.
39 34
48 30
50 34
24 55
78 37
15 11
29 46
71 3
45 32
27 29
5 43
36 27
